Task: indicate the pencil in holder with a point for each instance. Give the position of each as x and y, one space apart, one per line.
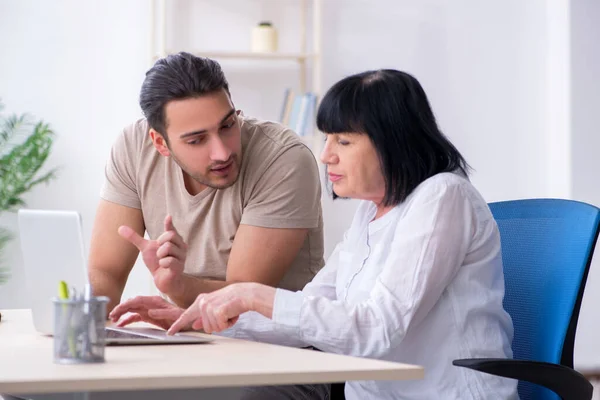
79 335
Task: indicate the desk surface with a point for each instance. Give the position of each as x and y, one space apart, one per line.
26 364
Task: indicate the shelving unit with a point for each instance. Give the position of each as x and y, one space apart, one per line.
308 61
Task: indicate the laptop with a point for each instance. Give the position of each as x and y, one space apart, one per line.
53 249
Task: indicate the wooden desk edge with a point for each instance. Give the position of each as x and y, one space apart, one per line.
195 382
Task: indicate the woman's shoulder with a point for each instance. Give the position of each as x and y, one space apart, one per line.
440 186
452 186
445 179
457 187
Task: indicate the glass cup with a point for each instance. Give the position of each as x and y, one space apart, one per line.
79 335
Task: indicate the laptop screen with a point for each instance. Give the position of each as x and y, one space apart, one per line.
53 250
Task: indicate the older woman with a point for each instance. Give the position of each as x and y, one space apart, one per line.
418 275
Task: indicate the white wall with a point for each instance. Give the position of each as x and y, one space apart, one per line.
480 64
61 63
585 96
490 69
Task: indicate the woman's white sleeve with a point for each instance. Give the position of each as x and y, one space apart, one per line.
429 246
254 326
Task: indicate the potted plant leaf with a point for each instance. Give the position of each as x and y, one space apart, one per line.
25 144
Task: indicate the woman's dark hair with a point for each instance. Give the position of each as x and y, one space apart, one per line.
392 109
175 77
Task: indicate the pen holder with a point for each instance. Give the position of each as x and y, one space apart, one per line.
79 335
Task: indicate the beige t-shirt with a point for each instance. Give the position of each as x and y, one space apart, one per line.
278 187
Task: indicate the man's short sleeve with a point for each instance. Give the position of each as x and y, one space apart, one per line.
121 171
287 194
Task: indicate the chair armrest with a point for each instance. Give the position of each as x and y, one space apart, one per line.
564 381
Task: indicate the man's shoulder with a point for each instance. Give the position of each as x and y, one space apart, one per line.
136 131
268 141
270 144
134 147
134 139
269 134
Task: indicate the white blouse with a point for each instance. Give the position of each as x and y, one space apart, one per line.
422 284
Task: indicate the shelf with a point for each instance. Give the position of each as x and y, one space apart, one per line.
299 57
307 57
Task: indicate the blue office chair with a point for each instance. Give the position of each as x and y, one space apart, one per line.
547 248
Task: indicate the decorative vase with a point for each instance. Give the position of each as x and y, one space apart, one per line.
264 38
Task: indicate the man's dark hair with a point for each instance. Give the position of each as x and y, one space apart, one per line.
391 108
175 77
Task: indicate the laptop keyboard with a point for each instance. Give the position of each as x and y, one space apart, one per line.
112 334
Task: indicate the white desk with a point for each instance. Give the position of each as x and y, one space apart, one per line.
26 365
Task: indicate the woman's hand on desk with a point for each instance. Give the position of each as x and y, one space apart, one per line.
219 310
151 309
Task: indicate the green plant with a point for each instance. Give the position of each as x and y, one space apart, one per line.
24 147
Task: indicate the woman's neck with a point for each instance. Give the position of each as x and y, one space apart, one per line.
381 211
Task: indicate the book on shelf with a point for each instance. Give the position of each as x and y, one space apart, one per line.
298 112
286 108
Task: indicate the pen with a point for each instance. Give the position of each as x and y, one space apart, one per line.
63 290
63 294
89 324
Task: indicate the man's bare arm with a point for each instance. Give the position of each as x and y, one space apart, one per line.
111 257
261 255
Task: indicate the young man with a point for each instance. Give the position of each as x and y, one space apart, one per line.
237 198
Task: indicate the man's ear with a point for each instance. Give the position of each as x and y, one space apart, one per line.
159 143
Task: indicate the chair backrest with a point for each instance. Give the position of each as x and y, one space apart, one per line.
547 247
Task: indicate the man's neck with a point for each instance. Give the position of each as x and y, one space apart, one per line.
191 185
